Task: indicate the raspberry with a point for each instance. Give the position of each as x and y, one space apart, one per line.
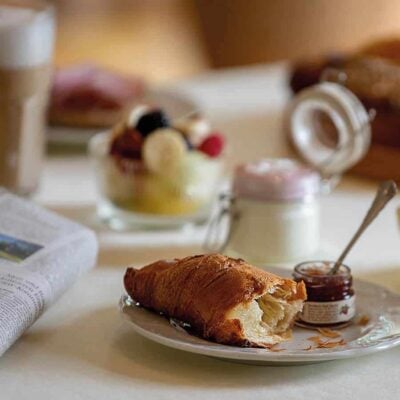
127 145
213 144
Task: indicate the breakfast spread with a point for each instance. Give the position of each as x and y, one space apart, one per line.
229 301
330 297
150 165
223 299
155 171
90 96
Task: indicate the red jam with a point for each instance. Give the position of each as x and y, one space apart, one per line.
330 298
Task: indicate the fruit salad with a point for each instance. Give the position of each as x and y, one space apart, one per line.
152 165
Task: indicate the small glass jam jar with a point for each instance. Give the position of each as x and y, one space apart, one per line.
330 298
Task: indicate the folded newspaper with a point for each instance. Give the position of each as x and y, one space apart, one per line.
41 255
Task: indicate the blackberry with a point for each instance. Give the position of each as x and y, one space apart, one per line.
151 121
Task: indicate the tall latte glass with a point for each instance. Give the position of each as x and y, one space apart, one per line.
26 47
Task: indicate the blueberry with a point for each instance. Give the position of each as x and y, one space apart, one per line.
151 121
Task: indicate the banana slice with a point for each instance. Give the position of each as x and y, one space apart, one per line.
196 128
136 113
163 151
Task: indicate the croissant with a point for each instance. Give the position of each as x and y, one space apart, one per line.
223 299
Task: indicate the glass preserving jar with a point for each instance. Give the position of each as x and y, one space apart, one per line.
329 128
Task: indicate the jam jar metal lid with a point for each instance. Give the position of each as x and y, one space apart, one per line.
329 127
275 179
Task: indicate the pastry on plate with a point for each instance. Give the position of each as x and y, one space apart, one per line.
223 299
89 96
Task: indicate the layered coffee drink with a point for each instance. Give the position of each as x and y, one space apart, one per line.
26 47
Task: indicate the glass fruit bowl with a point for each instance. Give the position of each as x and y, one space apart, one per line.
158 176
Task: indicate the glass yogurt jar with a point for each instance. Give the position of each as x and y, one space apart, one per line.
275 212
152 172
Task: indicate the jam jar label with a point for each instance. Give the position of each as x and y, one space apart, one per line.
330 312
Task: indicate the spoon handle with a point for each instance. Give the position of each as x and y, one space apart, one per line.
386 191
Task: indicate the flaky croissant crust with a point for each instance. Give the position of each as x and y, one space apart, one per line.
201 290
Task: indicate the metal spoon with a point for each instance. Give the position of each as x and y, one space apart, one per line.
386 191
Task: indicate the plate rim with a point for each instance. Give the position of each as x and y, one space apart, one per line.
58 135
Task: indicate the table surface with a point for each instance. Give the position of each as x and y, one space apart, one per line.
82 349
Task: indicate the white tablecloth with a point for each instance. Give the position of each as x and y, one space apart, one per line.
81 349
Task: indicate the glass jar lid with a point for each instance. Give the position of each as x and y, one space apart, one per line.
318 272
321 285
329 127
275 179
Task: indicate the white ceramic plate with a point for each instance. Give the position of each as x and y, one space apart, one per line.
382 332
174 103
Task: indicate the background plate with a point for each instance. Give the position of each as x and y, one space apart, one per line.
174 103
382 332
